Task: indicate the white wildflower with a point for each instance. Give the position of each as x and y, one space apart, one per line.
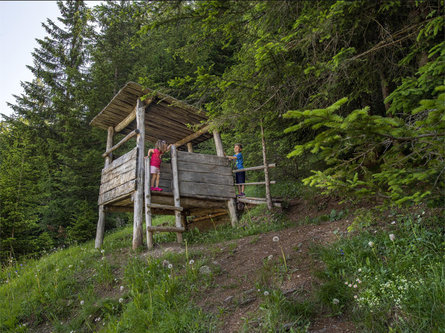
371 244
82 302
355 286
355 296
121 288
102 251
121 300
335 301
170 266
350 285
392 237
393 222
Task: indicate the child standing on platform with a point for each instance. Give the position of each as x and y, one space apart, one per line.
240 177
155 163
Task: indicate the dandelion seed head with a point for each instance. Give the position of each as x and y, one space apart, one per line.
121 300
191 262
371 244
335 301
275 239
392 237
266 293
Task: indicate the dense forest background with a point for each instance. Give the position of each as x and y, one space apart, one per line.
351 95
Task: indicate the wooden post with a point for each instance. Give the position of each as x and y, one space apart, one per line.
266 169
189 147
176 199
139 195
230 203
101 221
148 220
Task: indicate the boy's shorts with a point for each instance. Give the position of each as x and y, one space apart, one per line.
240 177
154 169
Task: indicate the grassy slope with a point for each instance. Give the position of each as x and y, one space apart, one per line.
395 284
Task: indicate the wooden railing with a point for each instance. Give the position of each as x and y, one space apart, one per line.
267 182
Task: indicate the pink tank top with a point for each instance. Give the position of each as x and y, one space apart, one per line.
155 159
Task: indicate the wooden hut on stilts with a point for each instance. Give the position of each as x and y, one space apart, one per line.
194 184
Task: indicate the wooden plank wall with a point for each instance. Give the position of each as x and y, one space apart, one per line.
205 176
200 175
118 178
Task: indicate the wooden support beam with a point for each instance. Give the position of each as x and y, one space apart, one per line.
165 207
120 143
132 116
175 183
101 221
231 205
179 230
261 167
193 136
127 121
139 194
189 147
257 202
266 169
148 220
209 216
257 183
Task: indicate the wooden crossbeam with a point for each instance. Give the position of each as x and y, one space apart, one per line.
165 229
132 116
168 207
193 136
257 202
120 143
257 183
261 167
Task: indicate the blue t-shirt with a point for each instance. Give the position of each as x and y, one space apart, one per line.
239 161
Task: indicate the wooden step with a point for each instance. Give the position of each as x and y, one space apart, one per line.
164 207
165 229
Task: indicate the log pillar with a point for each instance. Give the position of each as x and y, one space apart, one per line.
101 221
139 194
189 147
266 170
230 203
176 198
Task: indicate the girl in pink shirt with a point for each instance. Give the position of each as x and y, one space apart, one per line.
155 163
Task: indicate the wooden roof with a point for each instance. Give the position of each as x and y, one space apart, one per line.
165 117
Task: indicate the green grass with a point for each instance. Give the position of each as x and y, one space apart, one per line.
83 289
77 289
391 279
394 284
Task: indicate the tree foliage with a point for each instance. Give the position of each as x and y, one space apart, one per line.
357 84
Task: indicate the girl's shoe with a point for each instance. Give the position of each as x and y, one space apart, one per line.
158 189
153 189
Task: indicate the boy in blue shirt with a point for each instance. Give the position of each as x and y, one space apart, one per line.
240 176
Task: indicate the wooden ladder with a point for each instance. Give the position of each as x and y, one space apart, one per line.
178 228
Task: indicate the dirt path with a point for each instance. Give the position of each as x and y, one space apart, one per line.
241 266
